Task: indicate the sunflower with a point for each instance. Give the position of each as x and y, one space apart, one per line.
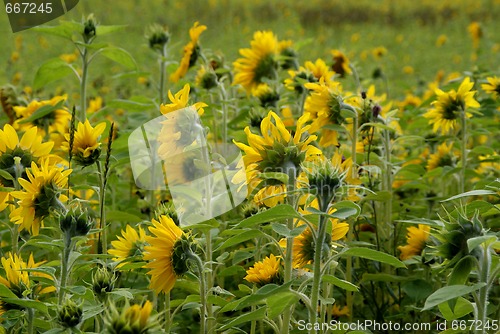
206 78
17 279
85 148
311 72
56 121
416 240
180 101
476 33
258 62
276 150
340 63
338 311
325 104
267 96
289 54
265 271
449 107
492 87
442 157
41 195
191 52
166 254
132 319
129 245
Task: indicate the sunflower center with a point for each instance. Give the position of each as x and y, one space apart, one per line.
445 160
8 164
266 68
451 110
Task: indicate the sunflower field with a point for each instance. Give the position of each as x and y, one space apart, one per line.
252 167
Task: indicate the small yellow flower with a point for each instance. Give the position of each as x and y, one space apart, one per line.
265 271
443 157
476 33
379 52
493 86
86 145
441 40
340 63
416 240
191 52
129 245
95 105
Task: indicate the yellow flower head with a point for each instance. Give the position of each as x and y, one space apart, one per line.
324 105
94 105
492 87
180 101
164 263
311 72
340 63
448 107
86 147
265 271
442 157
132 319
40 195
191 52
16 155
476 33
139 315
129 245
258 62
275 150
415 241
56 121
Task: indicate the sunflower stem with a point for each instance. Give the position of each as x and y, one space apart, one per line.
464 150
291 170
167 313
102 215
163 73
203 291
64 266
484 268
83 85
30 319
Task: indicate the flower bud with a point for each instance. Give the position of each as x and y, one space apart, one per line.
75 222
103 281
89 28
70 314
158 37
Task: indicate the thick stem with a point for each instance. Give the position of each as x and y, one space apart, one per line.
162 75
464 150
30 319
167 318
210 279
203 292
318 249
83 86
388 182
287 314
64 266
482 307
102 197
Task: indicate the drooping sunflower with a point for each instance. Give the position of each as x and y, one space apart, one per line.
129 245
85 148
275 150
325 104
166 253
340 63
258 62
191 52
265 271
442 157
448 108
492 87
56 121
16 155
415 241
41 195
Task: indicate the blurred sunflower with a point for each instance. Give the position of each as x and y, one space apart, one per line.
289 55
340 63
167 253
267 96
325 104
476 33
129 245
265 271
442 157
55 121
416 240
258 62
310 72
206 78
338 311
132 319
180 101
191 52
40 197
85 148
276 150
448 107
492 87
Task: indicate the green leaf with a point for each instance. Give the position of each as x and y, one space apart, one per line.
462 308
380 196
62 30
348 286
259 313
372 254
281 229
384 278
51 70
475 242
120 56
130 105
123 217
450 292
347 205
6 175
104 30
480 192
417 290
279 302
28 303
241 237
122 293
279 212
5 292
461 270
